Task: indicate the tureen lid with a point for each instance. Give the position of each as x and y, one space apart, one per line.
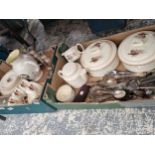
8 83
69 69
138 48
99 54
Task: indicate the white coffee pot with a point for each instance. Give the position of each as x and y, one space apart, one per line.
73 74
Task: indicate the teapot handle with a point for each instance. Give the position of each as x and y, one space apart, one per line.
81 47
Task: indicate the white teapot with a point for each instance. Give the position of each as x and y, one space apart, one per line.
73 74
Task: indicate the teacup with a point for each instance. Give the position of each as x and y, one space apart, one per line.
24 84
32 89
73 53
19 96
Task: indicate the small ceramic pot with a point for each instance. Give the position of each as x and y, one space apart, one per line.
100 58
73 53
137 52
73 74
65 93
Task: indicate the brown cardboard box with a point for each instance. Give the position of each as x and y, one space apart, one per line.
57 81
4 68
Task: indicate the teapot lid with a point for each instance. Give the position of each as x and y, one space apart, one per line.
99 54
138 48
69 69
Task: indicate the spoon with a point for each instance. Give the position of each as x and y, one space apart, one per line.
118 75
120 94
103 98
123 95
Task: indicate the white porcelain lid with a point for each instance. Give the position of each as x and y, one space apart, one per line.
138 48
8 82
99 54
69 69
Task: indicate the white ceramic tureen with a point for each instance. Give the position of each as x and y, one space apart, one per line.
100 58
137 52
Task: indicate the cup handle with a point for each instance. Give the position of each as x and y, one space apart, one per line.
60 74
81 46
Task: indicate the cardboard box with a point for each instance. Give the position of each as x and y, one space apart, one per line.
57 81
38 106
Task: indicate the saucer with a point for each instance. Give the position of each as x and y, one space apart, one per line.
9 82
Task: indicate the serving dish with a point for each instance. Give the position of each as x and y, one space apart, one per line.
100 58
137 51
